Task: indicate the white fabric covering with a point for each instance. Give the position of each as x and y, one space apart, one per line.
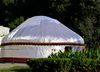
3 32
39 29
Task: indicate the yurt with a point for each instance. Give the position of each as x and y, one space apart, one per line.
38 37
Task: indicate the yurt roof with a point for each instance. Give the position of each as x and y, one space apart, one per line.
41 30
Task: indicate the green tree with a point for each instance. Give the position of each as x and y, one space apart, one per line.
16 22
8 11
88 24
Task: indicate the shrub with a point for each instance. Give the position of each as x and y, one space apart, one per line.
63 64
49 64
89 53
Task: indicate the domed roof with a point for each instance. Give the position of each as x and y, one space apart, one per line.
42 29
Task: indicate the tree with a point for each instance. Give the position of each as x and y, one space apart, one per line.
89 22
11 13
16 22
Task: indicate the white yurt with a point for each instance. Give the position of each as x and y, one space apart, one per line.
3 32
38 37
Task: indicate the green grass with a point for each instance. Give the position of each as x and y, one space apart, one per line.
16 69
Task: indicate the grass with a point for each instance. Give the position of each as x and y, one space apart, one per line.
16 69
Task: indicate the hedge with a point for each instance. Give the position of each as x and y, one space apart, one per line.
63 65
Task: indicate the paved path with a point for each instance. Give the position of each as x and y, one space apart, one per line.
8 65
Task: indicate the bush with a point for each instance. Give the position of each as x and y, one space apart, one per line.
87 54
63 64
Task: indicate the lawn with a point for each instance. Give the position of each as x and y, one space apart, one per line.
16 69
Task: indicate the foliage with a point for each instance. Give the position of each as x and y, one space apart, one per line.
63 64
87 54
87 60
46 64
16 22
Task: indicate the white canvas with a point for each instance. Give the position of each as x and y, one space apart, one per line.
40 29
3 32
